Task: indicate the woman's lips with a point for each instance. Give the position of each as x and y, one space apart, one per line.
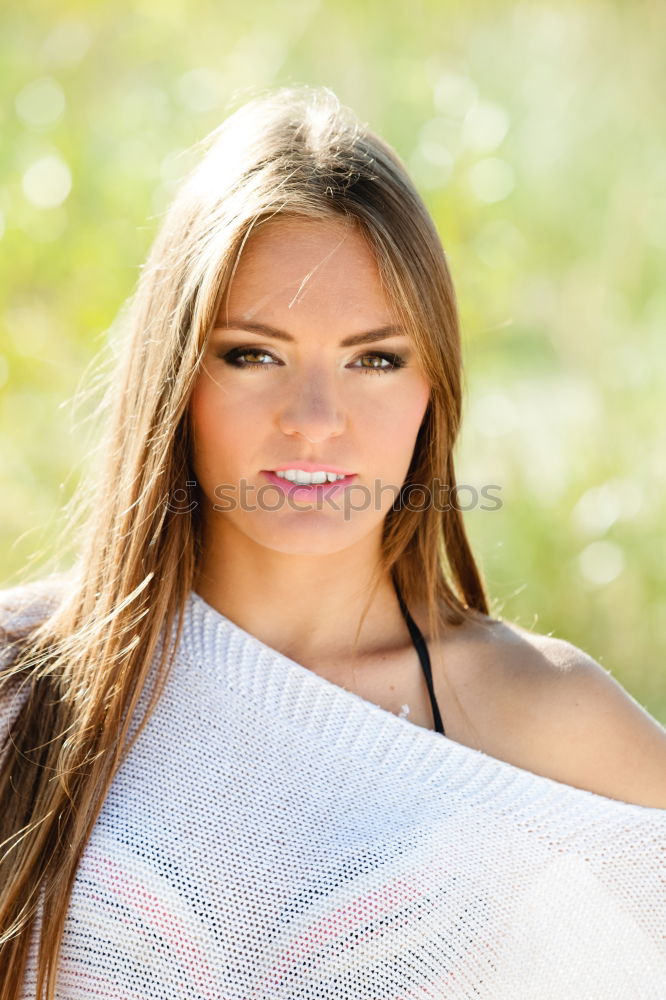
303 466
305 490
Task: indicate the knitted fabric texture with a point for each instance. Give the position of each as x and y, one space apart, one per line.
273 836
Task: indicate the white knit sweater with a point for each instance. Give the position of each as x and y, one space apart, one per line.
275 836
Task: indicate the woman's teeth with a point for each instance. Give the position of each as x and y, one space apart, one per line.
308 478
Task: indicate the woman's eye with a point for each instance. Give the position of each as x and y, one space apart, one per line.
233 357
393 361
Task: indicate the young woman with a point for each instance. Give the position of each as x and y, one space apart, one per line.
264 740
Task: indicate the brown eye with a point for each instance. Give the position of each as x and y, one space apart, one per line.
393 361
234 356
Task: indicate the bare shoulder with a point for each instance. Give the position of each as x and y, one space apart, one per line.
543 704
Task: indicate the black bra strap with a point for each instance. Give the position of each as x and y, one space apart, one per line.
424 657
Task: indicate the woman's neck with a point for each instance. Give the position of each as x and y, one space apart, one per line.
305 606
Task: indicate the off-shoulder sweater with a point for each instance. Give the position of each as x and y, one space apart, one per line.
273 836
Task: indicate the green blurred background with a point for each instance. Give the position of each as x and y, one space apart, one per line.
536 134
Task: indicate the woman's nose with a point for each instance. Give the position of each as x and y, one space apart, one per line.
313 408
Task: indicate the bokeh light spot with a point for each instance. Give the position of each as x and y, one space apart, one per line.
601 562
41 103
485 126
492 179
47 182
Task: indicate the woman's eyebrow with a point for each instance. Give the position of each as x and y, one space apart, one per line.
370 336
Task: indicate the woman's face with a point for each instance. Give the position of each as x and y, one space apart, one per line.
280 388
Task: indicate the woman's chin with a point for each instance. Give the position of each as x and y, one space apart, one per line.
307 533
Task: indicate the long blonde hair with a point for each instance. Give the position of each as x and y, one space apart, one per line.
82 670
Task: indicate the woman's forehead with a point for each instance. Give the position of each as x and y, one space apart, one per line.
316 241
309 263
